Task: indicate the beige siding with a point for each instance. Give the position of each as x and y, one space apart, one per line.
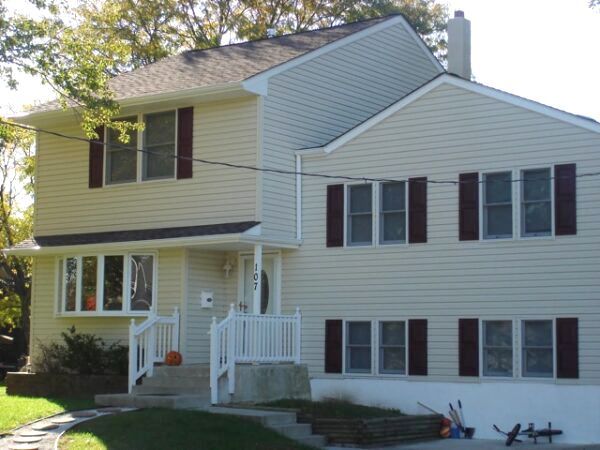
224 131
446 132
317 101
46 327
205 273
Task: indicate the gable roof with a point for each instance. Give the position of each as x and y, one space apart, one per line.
454 80
233 63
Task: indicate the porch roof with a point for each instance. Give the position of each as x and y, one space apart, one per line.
226 236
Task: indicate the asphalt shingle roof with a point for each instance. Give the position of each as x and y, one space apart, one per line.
226 64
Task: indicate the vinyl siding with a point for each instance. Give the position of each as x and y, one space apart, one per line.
46 327
205 273
317 101
447 132
225 131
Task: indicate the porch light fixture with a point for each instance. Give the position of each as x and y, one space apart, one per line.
227 268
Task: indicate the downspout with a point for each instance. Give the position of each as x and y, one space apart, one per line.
298 197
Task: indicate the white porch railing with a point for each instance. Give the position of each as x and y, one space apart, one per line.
251 338
149 342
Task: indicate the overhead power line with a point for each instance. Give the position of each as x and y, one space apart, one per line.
278 171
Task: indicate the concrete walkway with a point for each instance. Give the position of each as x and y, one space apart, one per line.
482 444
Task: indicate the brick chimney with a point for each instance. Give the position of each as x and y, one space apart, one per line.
459 45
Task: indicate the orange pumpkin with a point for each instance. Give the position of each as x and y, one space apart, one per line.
173 359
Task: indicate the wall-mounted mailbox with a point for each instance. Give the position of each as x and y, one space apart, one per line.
206 299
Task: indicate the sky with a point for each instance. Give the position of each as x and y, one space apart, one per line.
544 50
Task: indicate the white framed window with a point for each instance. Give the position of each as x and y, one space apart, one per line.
497 205
358 347
359 208
91 285
536 202
537 348
393 347
392 213
126 163
497 348
160 140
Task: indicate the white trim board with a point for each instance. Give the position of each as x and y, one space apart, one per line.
451 80
256 83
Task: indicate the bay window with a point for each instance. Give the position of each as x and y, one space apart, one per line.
96 284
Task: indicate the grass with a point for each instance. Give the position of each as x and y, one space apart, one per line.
334 409
150 429
18 411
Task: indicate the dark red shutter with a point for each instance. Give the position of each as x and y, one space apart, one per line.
185 133
333 346
335 215
96 159
417 347
565 209
567 348
468 347
417 210
468 206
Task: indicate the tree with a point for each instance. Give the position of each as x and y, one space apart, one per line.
594 3
16 210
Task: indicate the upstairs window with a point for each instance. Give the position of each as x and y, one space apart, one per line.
536 203
392 223
159 141
95 284
497 205
121 158
360 214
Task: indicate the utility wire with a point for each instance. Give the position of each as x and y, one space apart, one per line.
281 171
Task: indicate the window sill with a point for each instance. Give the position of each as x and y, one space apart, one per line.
141 182
103 314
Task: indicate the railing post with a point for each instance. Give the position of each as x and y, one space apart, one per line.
231 349
214 362
132 356
175 336
298 340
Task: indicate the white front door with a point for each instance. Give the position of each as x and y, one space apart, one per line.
269 291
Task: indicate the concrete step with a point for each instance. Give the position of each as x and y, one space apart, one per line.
144 389
293 430
266 418
170 381
314 440
195 371
154 401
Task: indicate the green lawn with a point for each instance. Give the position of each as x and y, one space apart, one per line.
18 411
165 429
338 409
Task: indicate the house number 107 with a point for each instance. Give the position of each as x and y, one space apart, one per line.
255 276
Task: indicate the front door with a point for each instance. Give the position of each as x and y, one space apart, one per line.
268 297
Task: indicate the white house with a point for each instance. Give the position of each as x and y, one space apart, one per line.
451 251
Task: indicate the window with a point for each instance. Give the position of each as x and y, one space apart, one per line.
358 347
497 206
392 347
536 203
360 214
159 141
497 348
392 222
538 354
91 285
121 158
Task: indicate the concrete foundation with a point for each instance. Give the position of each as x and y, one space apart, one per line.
266 382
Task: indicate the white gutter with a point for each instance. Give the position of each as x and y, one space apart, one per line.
217 239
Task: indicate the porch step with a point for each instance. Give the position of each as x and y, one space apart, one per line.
294 430
192 371
183 382
173 389
314 440
154 401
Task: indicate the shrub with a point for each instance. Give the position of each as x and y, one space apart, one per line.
84 354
